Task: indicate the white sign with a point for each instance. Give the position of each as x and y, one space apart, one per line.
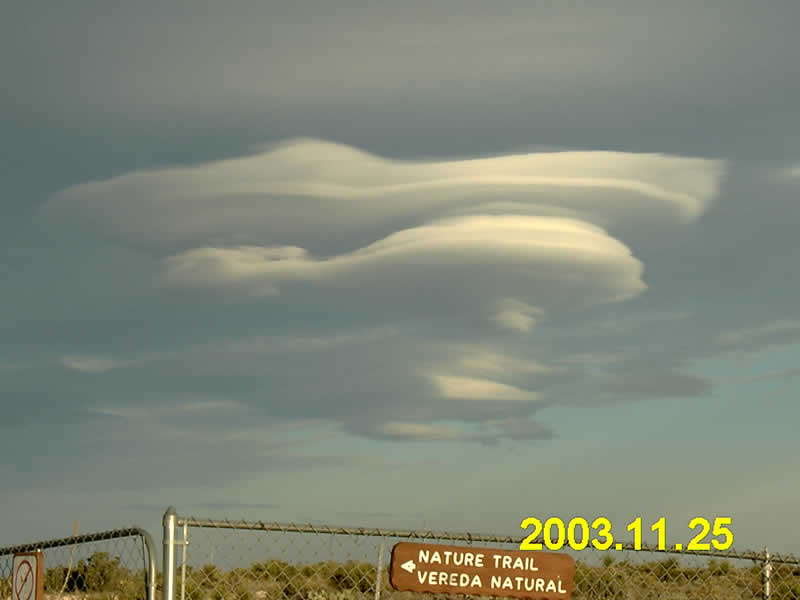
27 572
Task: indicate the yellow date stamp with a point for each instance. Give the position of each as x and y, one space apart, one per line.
579 534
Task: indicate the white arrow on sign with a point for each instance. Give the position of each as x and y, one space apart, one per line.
409 566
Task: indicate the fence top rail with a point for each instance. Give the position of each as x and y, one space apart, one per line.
453 536
337 530
77 539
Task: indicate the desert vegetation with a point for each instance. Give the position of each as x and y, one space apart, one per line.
101 577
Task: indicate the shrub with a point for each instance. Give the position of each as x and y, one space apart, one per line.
668 569
354 575
597 582
210 574
5 586
102 572
719 568
194 589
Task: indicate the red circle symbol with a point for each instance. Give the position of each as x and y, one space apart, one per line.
21 577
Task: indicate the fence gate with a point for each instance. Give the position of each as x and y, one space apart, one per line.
206 559
119 564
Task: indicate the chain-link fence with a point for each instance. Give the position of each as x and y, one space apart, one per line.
118 564
240 560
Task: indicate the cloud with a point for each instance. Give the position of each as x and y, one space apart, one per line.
298 190
509 237
483 359
420 431
552 261
183 409
792 172
91 364
318 289
313 280
767 376
516 315
654 383
487 432
456 387
773 333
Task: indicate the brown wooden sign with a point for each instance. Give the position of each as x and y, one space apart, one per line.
481 571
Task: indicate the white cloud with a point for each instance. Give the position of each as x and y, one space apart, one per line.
793 172
383 252
456 387
548 261
487 431
419 431
515 235
301 189
516 315
91 364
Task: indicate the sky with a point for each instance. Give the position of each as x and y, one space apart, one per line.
411 264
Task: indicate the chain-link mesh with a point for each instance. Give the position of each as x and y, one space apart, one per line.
226 560
109 565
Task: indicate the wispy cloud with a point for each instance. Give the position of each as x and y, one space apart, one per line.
456 387
91 364
771 333
516 315
768 376
477 358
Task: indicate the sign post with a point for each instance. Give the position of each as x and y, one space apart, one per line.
481 571
28 576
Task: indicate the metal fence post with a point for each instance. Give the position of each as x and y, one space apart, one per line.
168 585
379 573
150 565
766 575
183 559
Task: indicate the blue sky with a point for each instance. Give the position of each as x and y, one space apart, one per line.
395 264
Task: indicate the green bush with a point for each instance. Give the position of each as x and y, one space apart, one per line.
194 589
239 575
102 573
235 592
5 586
787 590
354 575
54 578
719 568
668 569
597 582
72 580
210 574
274 569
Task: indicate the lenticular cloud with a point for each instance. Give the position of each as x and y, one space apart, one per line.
511 236
539 258
293 193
